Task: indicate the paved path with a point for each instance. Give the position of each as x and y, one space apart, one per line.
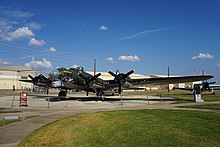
12 134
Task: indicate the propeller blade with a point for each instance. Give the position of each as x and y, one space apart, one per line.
129 73
95 77
42 77
34 79
212 82
30 77
111 73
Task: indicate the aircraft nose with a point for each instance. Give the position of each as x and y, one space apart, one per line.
57 84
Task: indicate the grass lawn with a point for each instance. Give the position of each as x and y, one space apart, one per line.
206 106
180 95
130 128
6 122
5 110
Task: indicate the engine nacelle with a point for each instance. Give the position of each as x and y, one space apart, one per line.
57 84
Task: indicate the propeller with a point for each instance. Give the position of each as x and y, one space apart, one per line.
89 80
36 79
206 85
41 79
120 78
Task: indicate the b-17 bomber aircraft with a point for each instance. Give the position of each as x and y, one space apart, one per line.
78 79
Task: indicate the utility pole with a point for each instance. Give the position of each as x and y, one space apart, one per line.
94 67
168 74
203 72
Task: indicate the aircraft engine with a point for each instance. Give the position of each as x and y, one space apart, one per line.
121 78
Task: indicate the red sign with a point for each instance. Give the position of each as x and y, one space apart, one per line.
23 99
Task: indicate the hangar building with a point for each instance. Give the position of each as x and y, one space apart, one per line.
10 76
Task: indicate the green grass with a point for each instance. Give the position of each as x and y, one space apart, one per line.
5 110
180 95
6 122
206 106
130 128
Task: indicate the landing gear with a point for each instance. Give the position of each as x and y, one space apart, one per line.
101 94
213 92
103 97
62 93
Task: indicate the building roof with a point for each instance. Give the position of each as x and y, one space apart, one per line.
15 68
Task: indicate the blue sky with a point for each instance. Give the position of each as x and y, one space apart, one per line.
145 35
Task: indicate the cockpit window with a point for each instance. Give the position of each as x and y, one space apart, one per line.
54 75
80 69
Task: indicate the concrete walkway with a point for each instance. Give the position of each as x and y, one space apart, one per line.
12 134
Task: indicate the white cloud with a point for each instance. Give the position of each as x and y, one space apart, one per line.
21 14
5 25
35 42
129 58
39 65
10 19
12 13
143 33
218 64
110 59
103 28
52 49
2 62
35 25
75 66
20 33
203 56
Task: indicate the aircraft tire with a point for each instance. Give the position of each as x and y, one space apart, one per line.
62 93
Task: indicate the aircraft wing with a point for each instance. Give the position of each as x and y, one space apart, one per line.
28 81
169 80
214 86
